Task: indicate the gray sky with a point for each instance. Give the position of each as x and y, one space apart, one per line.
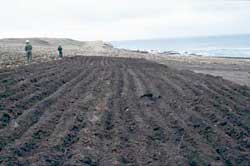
123 19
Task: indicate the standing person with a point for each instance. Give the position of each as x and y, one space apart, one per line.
28 49
60 50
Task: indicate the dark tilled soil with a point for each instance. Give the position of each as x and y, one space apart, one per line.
114 111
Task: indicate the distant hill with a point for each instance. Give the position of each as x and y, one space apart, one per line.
12 52
41 41
53 42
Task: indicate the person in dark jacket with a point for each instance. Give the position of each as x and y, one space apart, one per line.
60 50
28 49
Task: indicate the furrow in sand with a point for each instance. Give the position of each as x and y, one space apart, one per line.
206 130
205 98
135 125
46 124
177 131
148 124
31 116
120 111
22 75
211 100
231 98
112 128
31 96
92 138
63 144
164 135
27 81
202 85
65 132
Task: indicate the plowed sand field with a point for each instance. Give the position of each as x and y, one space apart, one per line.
120 111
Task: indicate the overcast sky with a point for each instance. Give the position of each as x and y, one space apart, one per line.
123 19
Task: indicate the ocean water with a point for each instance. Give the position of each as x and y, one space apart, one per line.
220 46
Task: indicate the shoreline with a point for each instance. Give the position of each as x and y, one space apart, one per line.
228 57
